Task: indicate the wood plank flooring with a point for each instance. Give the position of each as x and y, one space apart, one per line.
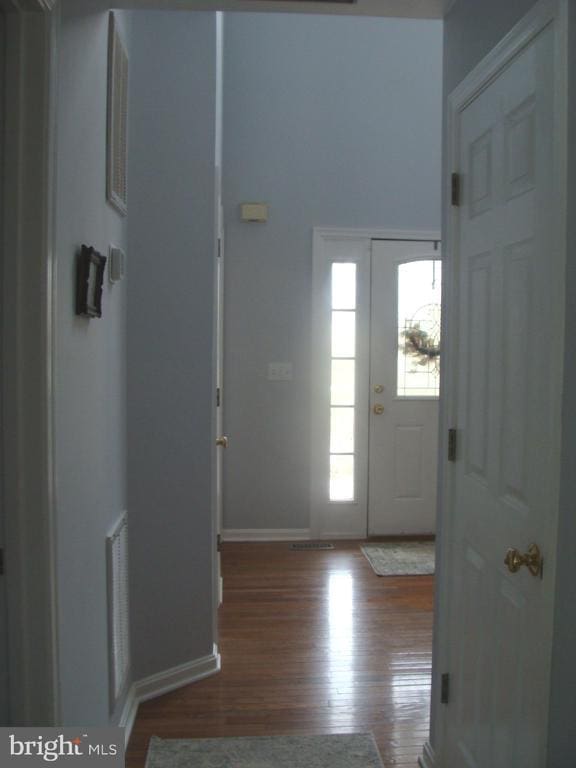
311 642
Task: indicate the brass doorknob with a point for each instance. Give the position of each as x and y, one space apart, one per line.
222 441
533 560
378 409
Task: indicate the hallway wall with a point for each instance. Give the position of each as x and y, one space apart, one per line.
171 384
90 370
332 122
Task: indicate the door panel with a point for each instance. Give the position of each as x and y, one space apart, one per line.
404 436
508 365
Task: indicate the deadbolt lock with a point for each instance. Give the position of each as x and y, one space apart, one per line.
378 409
378 388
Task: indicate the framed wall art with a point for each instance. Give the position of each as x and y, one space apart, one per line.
117 130
89 282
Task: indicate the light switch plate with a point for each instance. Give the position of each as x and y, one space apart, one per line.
116 264
279 371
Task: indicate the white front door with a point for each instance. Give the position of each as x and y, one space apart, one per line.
508 319
404 387
375 343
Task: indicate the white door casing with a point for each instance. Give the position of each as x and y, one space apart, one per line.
404 437
219 394
506 252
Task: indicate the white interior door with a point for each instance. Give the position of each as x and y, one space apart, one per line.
508 315
404 384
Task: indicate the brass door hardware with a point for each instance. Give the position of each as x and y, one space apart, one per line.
378 388
378 409
533 560
222 441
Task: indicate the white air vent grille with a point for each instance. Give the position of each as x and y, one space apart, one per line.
118 608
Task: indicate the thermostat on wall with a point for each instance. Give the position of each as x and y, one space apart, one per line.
254 212
117 264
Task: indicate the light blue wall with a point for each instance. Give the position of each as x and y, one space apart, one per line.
90 371
171 388
332 122
471 30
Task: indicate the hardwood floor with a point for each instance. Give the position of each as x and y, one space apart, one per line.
311 642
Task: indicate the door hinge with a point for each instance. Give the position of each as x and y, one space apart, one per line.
219 542
452 444
456 189
219 247
445 688
1 562
217 397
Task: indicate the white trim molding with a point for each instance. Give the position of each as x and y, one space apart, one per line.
266 534
128 716
428 758
348 233
176 677
163 682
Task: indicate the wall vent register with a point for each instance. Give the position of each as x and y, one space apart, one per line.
118 608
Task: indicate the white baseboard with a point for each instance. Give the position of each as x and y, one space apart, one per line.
164 682
266 534
128 715
428 759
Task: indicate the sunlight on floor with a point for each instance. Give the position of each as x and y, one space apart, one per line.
341 639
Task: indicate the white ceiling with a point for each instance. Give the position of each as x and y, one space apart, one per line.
416 9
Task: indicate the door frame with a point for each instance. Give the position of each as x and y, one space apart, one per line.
544 13
358 241
28 350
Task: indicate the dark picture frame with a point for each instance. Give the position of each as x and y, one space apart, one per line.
89 282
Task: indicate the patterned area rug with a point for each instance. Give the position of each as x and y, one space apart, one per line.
401 558
341 751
